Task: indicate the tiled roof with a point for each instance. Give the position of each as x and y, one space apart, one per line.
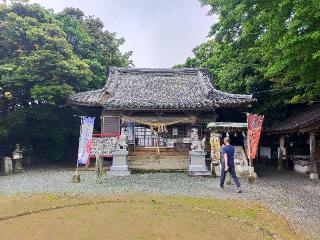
159 89
307 118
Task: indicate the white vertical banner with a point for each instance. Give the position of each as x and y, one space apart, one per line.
85 140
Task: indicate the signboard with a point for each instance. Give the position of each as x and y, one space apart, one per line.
215 146
85 139
254 131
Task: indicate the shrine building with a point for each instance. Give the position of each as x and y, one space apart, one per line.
159 107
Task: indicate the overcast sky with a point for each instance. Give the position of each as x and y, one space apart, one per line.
161 33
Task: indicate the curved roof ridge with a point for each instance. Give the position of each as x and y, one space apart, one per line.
129 69
227 94
162 88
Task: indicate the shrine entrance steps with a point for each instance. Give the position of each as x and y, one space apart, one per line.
142 158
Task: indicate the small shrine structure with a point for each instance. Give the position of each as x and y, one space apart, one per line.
158 108
237 132
301 129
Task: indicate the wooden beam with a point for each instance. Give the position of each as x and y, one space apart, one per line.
281 148
314 128
313 157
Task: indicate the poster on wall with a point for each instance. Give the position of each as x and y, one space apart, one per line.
215 146
254 131
85 140
130 132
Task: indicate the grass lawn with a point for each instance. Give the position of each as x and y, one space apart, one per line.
136 217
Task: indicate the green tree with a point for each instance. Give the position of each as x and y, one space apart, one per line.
45 57
269 48
91 42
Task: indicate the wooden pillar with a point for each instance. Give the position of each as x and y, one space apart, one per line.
313 158
281 148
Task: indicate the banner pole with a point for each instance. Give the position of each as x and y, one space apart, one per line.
249 150
77 168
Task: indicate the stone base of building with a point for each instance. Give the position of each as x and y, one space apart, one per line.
197 165
314 176
142 158
119 163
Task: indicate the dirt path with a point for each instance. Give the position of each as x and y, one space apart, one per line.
136 217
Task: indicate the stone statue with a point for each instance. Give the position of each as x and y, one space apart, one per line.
17 157
122 140
196 144
203 143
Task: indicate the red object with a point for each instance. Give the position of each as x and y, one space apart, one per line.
254 131
88 146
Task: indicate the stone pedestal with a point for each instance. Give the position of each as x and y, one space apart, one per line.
254 174
76 178
197 165
314 176
216 170
119 163
6 166
18 165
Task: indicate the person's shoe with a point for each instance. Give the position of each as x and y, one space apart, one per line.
221 187
239 190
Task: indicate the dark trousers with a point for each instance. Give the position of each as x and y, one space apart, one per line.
232 172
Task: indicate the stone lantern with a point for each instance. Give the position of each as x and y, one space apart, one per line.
17 158
197 165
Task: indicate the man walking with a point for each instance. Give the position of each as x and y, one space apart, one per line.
227 164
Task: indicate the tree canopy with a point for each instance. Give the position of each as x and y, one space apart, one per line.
45 57
269 48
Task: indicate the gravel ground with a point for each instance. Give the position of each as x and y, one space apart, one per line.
293 196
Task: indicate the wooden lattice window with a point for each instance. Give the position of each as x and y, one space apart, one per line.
110 124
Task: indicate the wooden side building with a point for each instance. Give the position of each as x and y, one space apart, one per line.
301 125
159 106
